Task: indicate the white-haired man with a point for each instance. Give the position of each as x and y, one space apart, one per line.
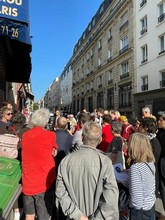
85 185
38 167
146 113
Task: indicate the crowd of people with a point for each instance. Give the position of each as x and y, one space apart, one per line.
68 168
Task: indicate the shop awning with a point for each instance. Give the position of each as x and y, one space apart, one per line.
29 95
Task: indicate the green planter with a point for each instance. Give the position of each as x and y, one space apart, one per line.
10 175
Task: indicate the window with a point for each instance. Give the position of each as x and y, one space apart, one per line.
99 44
82 89
162 81
82 69
100 100
99 62
93 22
161 14
124 21
99 81
87 87
84 36
143 25
90 104
91 85
109 55
89 27
101 9
123 44
77 74
144 54
110 99
110 34
125 96
110 77
124 70
161 44
88 56
91 52
144 81
142 3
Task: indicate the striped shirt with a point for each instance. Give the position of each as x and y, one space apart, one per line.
142 186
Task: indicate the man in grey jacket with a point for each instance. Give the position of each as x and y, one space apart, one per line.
86 187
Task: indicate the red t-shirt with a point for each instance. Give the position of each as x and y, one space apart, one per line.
107 137
38 165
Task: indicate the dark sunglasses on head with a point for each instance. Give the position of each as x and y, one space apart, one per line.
9 114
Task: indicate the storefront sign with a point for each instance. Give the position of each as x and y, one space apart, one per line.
15 10
15 31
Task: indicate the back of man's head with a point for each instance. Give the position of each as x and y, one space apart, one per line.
92 134
61 123
83 118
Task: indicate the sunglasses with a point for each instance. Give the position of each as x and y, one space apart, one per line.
9 114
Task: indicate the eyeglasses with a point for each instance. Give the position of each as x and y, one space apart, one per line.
9 114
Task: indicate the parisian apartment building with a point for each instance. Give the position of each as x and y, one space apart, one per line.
118 61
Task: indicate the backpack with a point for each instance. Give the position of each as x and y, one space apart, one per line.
8 145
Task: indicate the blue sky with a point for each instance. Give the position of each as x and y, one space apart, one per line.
55 26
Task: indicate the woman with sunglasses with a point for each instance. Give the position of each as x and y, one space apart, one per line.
6 115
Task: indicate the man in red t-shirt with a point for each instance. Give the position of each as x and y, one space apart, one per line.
38 167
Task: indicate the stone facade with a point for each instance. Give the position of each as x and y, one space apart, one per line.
103 60
150 55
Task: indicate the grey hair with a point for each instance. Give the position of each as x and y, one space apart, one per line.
40 117
91 133
116 126
146 109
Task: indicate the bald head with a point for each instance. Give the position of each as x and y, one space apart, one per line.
61 123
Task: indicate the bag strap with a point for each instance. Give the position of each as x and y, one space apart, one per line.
150 168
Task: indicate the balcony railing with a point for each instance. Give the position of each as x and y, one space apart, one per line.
124 75
142 3
123 50
162 83
143 31
144 61
144 87
110 81
110 38
161 52
109 59
161 18
124 25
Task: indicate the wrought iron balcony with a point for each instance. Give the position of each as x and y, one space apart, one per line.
124 25
142 3
161 18
144 87
144 61
161 52
124 75
143 31
123 50
110 81
162 83
110 38
109 59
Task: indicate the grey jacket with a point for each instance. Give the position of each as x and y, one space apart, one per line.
86 185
